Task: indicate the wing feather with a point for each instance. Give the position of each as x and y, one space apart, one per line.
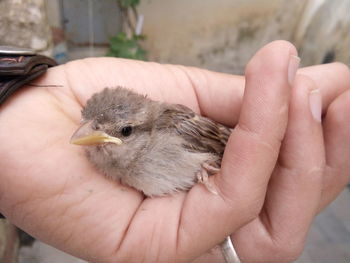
201 134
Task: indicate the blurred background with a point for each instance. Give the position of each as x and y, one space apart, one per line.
219 35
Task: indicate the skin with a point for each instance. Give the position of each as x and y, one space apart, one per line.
49 189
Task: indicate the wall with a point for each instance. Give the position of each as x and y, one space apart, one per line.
327 34
220 35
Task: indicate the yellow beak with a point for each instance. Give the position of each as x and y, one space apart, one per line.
85 135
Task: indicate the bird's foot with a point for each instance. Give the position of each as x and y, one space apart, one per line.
203 177
210 169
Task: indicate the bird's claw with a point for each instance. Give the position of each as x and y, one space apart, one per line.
203 177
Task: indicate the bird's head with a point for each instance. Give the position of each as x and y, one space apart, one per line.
116 123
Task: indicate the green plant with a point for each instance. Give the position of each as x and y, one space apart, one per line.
123 47
127 44
128 3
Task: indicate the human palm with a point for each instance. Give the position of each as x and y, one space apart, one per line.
49 189
56 187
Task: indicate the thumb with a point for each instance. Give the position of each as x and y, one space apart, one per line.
250 155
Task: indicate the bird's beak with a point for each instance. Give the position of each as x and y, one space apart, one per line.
85 135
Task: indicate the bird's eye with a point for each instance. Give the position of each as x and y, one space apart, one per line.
126 131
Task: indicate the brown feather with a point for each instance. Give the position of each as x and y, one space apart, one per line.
201 134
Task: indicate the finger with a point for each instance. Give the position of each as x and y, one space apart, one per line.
337 142
297 181
332 80
249 157
294 190
214 89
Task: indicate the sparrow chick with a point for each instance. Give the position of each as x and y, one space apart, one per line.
157 148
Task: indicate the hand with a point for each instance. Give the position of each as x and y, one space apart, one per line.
49 189
312 169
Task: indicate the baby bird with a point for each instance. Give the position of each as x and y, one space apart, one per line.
154 147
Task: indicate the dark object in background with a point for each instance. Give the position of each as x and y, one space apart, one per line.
329 57
24 238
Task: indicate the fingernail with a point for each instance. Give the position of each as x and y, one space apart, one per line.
315 102
293 66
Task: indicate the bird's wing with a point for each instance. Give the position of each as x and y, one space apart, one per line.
201 134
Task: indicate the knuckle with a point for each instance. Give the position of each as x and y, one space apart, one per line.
342 68
337 112
311 168
270 141
248 205
303 81
285 252
290 253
